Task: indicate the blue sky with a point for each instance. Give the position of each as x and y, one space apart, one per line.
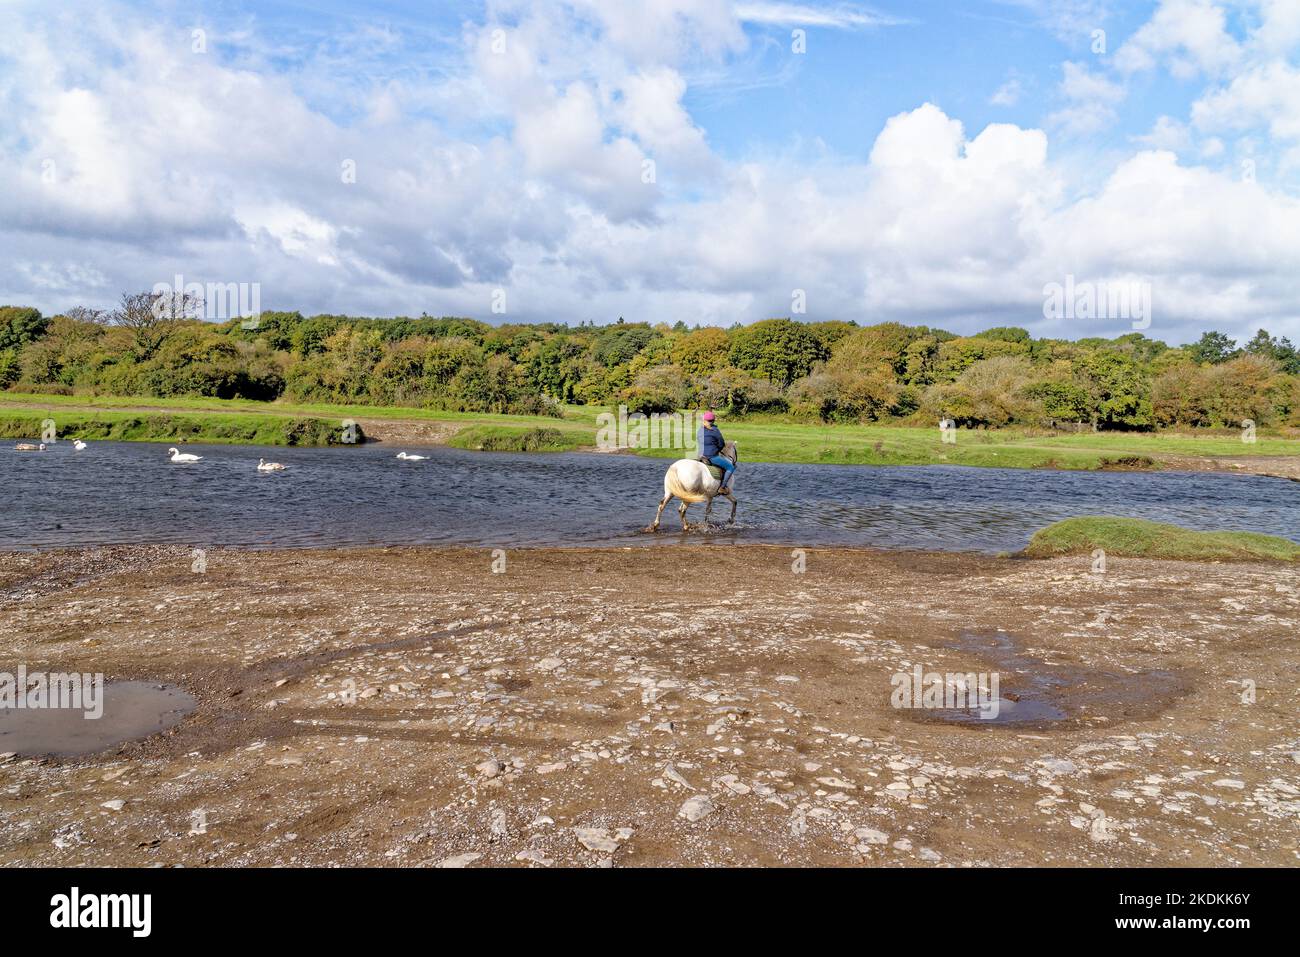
936 162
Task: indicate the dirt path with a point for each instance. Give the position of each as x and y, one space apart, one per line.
412 706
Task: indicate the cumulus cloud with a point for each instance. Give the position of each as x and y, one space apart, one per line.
1190 35
524 169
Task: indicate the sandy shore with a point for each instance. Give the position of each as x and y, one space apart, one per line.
676 705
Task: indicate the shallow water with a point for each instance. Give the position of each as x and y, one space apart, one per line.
115 493
131 710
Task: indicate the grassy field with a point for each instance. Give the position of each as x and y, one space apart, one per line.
1135 538
760 440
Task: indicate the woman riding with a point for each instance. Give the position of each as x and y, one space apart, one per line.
710 448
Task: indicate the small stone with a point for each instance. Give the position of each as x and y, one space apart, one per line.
550 664
868 835
696 807
460 860
1230 783
672 774
551 768
837 783
114 805
533 856
596 839
489 768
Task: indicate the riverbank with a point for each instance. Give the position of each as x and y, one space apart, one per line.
420 706
282 423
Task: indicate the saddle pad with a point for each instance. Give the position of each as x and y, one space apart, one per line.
715 472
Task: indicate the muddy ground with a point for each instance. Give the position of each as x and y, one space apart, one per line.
684 705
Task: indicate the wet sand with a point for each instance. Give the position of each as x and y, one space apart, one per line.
700 705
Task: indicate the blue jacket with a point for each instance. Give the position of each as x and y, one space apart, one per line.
710 441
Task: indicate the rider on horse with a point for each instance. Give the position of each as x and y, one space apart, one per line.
710 448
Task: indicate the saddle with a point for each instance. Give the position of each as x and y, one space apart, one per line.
714 470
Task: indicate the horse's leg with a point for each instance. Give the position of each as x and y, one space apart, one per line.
682 512
732 519
708 508
659 514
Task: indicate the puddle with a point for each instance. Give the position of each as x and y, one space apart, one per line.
1033 693
131 710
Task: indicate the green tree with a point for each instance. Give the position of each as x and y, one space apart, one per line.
780 350
1213 348
20 325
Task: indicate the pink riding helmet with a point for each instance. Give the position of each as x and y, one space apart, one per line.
709 416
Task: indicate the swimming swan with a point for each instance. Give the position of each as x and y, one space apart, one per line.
28 447
405 457
78 444
183 456
264 466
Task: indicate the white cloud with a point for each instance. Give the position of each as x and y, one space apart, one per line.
1267 95
522 169
1008 94
1090 101
839 17
1167 134
1191 36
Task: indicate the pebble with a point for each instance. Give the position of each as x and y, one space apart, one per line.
460 860
868 835
696 807
597 839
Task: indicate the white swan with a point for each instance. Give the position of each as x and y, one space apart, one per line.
78 444
178 456
406 457
28 447
264 466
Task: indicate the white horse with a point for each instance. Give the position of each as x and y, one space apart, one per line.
691 481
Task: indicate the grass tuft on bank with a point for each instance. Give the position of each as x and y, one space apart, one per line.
217 429
1137 538
493 438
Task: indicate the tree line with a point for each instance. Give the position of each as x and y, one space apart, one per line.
817 371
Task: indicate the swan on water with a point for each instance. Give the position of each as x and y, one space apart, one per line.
264 466
178 456
29 447
78 444
407 457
